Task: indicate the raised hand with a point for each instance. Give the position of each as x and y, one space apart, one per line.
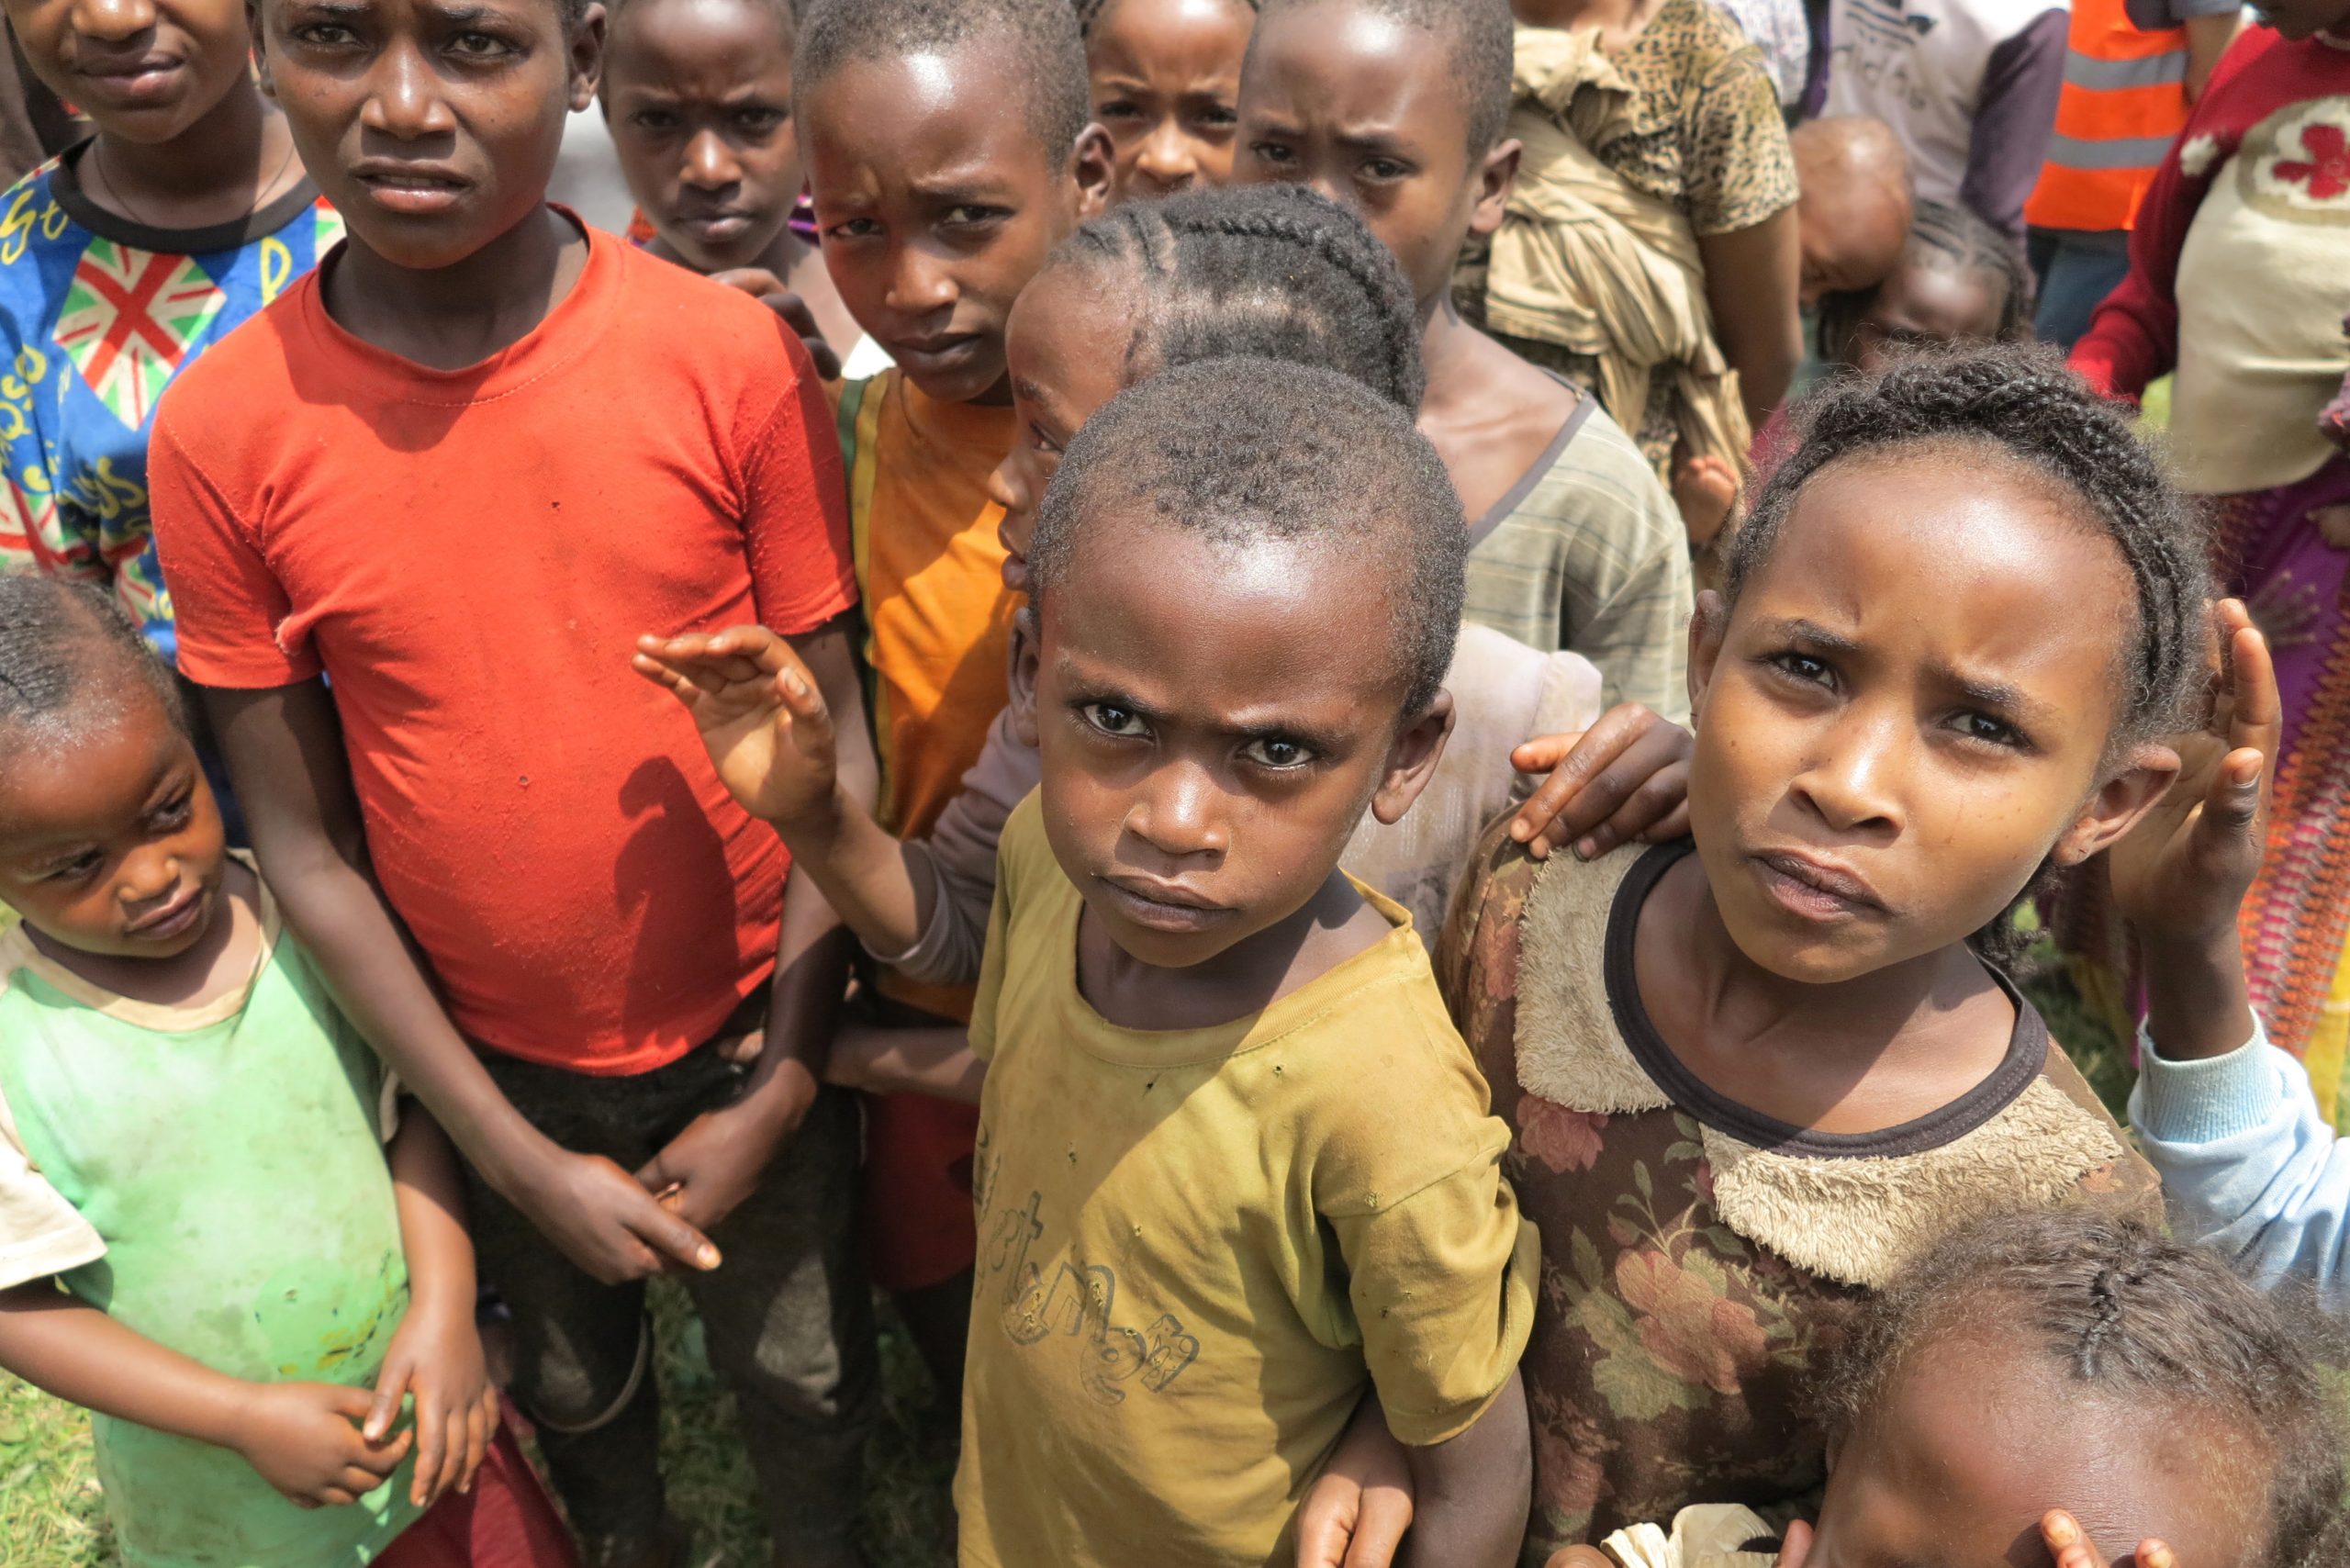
1626 778
436 1357
762 719
304 1438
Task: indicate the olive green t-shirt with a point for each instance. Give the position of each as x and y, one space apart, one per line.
1197 1247
226 1167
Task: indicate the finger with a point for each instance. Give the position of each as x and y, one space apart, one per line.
1673 824
2258 717
328 1497
355 1482
653 670
1385 1515
1543 753
354 1405
431 1443
671 1236
390 1384
2153 1553
822 357
1606 793
2067 1541
1662 792
1325 1520
2231 806
481 1424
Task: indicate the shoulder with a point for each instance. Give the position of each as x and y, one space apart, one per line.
726 327
252 368
1599 481
1024 863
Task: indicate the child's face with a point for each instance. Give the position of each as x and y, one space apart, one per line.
1906 713
432 125
143 69
1365 110
1212 722
698 96
1166 77
1920 305
1975 1443
111 844
938 205
1063 347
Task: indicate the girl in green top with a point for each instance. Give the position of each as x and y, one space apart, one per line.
262 1316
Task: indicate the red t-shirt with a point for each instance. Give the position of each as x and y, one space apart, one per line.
469 556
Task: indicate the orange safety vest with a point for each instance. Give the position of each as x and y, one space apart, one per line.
2123 103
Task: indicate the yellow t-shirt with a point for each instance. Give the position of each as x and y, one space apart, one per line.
1195 1244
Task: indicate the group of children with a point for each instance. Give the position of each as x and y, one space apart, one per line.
1384 1026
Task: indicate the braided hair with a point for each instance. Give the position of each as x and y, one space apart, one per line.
1090 11
2120 1312
1266 272
67 660
1941 239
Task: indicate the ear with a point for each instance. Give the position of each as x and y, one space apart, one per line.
1411 761
2118 804
261 77
586 45
1496 177
1089 167
1027 648
1707 627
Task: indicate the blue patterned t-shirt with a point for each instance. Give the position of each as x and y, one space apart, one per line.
97 314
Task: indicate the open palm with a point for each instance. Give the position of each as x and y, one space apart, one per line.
762 720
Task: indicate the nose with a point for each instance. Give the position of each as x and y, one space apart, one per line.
406 102
148 876
1165 157
1176 814
1851 782
919 283
710 162
113 20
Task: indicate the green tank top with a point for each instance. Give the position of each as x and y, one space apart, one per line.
229 1156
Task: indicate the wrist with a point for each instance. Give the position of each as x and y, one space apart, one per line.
779 1099
2197 1005
813 829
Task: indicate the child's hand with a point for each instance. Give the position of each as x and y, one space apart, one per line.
1356 1514
304 1439
436 1357
605 1222
763 720
772 292
2181 874
1626 778
2070 1545
706 1172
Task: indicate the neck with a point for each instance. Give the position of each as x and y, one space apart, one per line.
223 163
458 315
1448 355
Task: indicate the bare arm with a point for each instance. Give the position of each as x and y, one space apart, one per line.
2208 39
284 751
1470 1494
1753 279
937 1061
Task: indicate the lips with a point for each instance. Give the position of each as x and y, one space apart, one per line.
934 353
715 228
1814 890
413 189
174 919
134 82
1164 906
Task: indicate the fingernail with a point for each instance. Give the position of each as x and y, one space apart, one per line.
2160 1557
707 1257
1587 848
1520 832
2060 1532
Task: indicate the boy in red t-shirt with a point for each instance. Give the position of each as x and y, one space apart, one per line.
414 515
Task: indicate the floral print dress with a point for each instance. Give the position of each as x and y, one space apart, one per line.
1698 1258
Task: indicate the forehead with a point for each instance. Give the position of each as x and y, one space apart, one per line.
706 45
84 774
942 114
1174 39
1066 344
1348 69
548 16
1937 299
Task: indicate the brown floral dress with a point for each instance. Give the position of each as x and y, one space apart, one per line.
1698 1256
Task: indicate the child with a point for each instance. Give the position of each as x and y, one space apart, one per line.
1166 74
1853 216
950 152
242 1313
1574 543
698 96
1958 283
1233 1161
125 258
519 875
1749 1085
2237 284
2065 1383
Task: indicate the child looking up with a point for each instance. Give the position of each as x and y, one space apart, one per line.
1396 107
1166 76
698 96
1749 1083
548 918
242 1313
2065 1389
950 150
123 259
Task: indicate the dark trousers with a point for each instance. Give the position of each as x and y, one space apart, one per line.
788 1317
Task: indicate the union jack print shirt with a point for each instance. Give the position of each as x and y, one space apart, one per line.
97 314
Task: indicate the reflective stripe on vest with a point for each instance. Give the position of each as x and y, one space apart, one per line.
2123 101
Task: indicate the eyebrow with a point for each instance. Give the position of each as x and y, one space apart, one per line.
1981 691
1087 692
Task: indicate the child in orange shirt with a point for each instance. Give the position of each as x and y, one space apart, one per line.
937 200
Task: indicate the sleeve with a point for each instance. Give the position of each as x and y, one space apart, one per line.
1442 1285
228 602
2133 335
2015 115
2250 1166
40 1233
1628 587
795 513
1740 169
1024 823
38 532
960 858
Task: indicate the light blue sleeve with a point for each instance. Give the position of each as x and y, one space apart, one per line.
2247 1163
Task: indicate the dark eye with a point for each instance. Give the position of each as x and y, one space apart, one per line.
80 868
1039 442
653 119
1273 154
1383 170
1112 719
855 229
759 121
1116 108
1276 752
1803 667
327 35
1216 117
174 813
478 45
1985 730
971 215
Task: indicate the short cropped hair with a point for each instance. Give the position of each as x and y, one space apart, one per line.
1480 40
1239 451
1041 35
67 656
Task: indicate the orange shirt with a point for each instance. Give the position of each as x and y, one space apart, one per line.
469 556
938 618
